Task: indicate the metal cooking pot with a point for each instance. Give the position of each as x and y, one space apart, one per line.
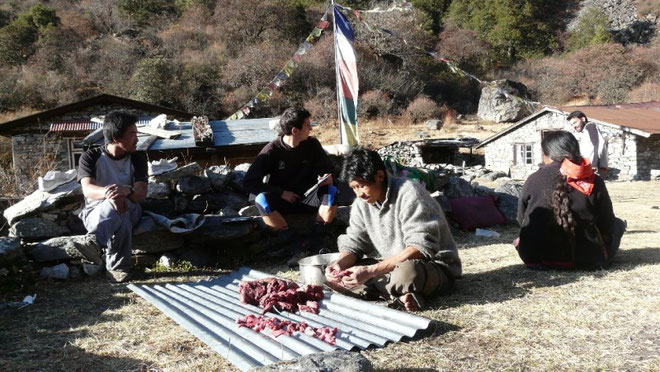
312 268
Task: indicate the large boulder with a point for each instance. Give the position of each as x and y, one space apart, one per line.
239 175
82 247
157 241
220 176
192 169
36 229
458 188
60 271
40 201
504 101
165 207
215 230
507 199
216 201
193 185
10 251
158 190
344 361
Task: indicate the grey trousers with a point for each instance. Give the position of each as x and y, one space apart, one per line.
113 231
421 277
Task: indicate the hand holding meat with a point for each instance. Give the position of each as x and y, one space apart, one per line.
358 275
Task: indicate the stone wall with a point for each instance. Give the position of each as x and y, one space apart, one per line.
500 154
622 148
35 151
621 153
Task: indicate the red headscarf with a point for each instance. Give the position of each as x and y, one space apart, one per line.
579 176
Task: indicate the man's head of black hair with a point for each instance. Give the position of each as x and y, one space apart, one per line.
293 117
362 164
115 125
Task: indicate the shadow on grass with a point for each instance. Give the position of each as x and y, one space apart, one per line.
516 281
43 336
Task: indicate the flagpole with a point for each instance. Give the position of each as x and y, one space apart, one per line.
334 38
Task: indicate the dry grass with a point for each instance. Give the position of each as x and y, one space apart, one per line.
501 316
380 132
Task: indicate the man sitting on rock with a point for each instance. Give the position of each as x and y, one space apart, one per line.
396 223
284 169
114 182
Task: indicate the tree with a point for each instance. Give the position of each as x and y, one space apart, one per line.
17 39
592 28
152 80
434 11
515 28
143 11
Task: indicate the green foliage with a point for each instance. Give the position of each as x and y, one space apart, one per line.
183 5
151 80
434 10
145 11
179 266
593 28
17 39
515 28
39 16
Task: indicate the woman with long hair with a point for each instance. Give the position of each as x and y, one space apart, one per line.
565 212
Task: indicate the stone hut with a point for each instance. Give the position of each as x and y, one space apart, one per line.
51 139
632 132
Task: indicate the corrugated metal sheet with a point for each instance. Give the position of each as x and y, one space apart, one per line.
225 133
242 132
209 309
75 126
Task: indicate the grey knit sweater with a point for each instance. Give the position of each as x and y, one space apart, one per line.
408 217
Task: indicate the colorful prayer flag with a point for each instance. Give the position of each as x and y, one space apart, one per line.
347 79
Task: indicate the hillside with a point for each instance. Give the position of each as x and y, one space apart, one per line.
210 57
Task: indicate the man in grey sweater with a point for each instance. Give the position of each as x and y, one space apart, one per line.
403 231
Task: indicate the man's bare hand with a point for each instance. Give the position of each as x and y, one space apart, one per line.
119 204
289 196
358 275
113 192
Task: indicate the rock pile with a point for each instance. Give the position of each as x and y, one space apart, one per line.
45 227
626 25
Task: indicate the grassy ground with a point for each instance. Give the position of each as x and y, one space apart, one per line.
500 317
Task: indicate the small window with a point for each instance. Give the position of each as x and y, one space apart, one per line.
524 154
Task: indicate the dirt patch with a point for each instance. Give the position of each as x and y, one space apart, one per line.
378 133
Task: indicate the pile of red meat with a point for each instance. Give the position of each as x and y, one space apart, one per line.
280 327
277 294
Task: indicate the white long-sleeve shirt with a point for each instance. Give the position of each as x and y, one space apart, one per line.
593 146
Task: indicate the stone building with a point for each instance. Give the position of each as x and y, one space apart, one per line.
51 139
632 132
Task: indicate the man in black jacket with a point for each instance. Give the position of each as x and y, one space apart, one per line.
286 168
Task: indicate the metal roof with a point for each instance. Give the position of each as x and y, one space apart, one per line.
225 133
209 309
643 116
616 116
83 125
101 99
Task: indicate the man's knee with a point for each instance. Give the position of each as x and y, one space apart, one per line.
328 195
265 203
425 277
